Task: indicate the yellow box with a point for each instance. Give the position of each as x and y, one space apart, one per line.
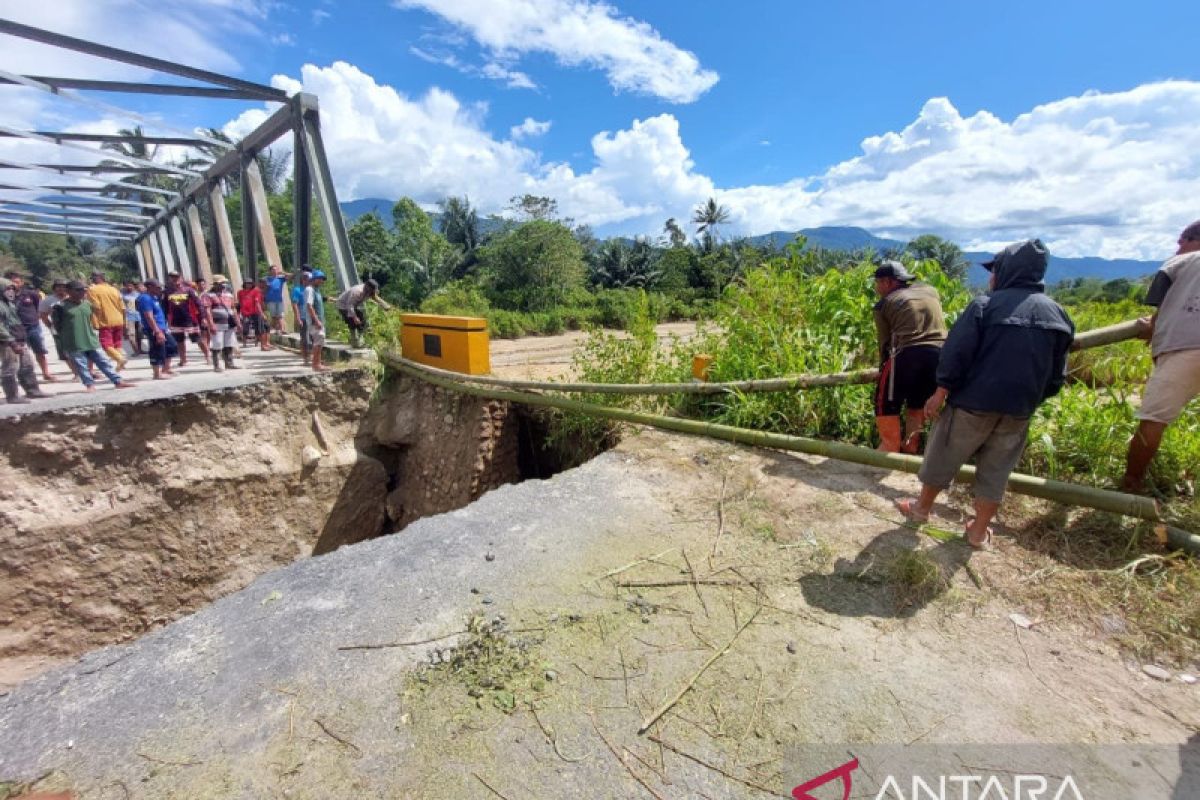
454 343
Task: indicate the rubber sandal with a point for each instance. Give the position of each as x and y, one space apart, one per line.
906 506
986 544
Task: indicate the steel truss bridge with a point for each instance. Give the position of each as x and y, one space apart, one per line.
168 233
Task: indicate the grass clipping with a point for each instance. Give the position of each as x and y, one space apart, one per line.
495 667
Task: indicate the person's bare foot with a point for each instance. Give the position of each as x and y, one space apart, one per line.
322 368
123 385
90 389
47 378
162 377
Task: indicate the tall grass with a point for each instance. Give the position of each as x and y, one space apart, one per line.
780 321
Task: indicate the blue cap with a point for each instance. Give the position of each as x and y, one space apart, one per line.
317 275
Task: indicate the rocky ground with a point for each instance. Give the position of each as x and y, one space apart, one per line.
736 606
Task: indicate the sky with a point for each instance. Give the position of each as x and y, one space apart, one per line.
1076 122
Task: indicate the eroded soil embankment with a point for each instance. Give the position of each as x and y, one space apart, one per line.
116 519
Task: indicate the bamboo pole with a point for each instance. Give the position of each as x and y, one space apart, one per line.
1089 339
1057 491
1097 337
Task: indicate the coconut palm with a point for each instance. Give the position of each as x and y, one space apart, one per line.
707 217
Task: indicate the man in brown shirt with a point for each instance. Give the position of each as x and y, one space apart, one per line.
911 330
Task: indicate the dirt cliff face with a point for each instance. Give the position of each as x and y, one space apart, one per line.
116 519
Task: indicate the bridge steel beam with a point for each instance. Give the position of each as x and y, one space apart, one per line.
326 195
58 211
164 247
16 226
181 249
143 247
184 90
252 177
141 260
98 222
113 155
258 90
198 243
229 255
118 138
249 238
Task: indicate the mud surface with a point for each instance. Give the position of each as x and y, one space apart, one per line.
759 589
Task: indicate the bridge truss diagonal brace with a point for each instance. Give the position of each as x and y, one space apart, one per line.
140 254
196 231
181 249
326 196
229 256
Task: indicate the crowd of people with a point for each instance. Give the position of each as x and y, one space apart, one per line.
981 380
1006 354
92 325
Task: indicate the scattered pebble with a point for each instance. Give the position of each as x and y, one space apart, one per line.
791 648
490 557
1156 672
1188 679
487 601
645 619
474 590
551 675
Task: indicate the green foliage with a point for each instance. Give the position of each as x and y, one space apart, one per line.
948 255
534 267
616 265
1077 291
49 255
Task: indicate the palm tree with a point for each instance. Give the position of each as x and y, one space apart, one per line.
136 147
707 217
460 226
675 234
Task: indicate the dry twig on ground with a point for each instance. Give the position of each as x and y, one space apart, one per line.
665 707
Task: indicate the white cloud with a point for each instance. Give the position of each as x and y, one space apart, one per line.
634 56
1113 174
283 39
493 69
513 79
529 128
1100 174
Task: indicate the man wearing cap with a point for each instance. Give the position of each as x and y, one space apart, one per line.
911 330
350 306
276 286
221 320
73 320
28 301
108 310
16 362
1004 356
297 298
1174 335
314 318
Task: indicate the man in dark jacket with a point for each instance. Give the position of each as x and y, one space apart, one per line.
1004 357
911 330
16 362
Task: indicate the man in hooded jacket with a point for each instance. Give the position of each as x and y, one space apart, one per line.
1005 356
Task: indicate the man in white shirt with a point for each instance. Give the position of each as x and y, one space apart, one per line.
1175 345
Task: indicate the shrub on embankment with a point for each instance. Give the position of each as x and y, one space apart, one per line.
780 320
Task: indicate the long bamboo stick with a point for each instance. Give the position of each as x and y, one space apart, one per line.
1088 339
1058 491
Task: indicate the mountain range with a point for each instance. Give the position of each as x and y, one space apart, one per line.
847 238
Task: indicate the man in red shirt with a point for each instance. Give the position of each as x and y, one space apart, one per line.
250 308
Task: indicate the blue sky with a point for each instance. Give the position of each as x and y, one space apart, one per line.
1078 122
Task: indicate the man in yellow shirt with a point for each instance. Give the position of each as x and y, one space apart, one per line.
108 316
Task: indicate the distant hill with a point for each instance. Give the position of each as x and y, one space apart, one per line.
842 238
357 208
848 238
